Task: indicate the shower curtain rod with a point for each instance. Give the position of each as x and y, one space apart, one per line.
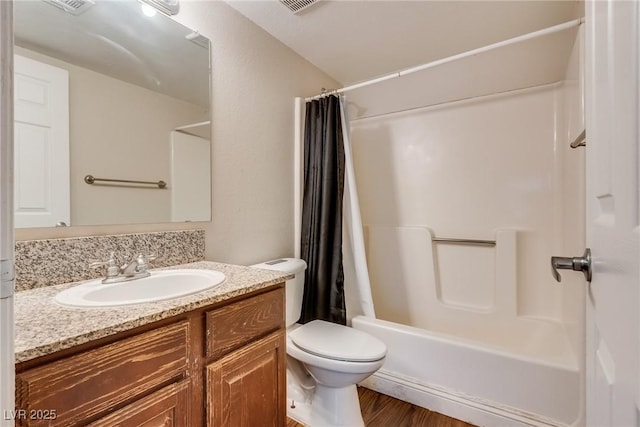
524 37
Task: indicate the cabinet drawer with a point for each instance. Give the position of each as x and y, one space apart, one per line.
92 382
168 406
234 325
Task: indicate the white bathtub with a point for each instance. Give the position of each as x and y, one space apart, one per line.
480 383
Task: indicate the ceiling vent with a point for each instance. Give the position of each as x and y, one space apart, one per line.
74 7
297 6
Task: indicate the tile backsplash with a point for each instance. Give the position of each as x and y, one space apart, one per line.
50 262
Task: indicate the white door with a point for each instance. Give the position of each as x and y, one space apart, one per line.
613 299
41 146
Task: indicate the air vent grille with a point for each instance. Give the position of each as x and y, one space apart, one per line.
297 6
74 7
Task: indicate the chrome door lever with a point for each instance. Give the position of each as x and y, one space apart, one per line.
582 263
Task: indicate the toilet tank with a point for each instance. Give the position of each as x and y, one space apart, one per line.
294 288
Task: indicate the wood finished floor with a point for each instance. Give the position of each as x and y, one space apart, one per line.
379 410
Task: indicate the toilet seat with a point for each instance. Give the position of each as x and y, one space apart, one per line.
337 342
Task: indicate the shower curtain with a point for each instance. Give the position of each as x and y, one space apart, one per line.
321 234
356 272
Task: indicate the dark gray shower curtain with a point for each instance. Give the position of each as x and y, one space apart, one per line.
321 237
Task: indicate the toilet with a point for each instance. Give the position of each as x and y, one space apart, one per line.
325 360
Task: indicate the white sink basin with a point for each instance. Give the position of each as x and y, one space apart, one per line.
161 285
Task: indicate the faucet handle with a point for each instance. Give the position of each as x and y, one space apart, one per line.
112 269
143 261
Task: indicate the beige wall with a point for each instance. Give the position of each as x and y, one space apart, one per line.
126 132
255 80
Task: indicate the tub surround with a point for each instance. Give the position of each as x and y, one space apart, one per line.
41 263
43 326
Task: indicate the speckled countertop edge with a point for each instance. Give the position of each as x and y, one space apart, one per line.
43 326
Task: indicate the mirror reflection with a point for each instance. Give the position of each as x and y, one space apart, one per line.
116 93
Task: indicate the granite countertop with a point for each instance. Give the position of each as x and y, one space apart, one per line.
43 326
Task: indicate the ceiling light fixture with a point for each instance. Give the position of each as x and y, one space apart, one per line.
148 10
168 7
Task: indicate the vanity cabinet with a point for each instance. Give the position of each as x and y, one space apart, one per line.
222 365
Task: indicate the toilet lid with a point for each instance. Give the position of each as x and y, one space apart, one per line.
337 342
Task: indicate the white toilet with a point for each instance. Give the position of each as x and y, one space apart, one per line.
336 357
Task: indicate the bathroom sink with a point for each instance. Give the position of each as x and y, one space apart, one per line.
160 285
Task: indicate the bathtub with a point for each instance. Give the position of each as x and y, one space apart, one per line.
479 382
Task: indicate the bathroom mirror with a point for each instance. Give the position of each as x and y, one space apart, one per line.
117 91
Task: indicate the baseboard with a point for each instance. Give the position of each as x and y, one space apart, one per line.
454 404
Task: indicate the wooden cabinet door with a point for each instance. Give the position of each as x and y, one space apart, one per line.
166 407
246 388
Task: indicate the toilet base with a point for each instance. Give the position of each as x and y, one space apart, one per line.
300 388
335 407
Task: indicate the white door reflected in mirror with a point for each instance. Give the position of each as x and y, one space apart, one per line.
41 144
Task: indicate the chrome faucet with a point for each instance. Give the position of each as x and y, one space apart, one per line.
137 268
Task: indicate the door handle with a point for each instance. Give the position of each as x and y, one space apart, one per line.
582 263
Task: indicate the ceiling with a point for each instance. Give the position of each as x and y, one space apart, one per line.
353 41
350 40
